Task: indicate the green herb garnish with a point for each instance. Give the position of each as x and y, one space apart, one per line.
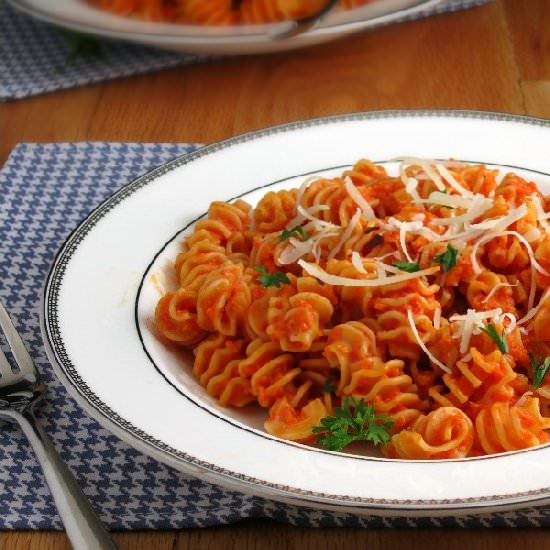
271 279
80 45
329 385
448 258
409 267
298 230
500 341
354 421
540 369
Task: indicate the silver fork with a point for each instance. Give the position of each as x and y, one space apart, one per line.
20 389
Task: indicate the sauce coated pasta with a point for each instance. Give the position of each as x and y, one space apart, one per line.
411 310
219 12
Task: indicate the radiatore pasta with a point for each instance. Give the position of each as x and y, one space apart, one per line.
425 294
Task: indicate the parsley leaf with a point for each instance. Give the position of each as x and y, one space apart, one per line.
409 267
297 230
500 341
329 385
448 258
540 369
80 45
354 421
272 279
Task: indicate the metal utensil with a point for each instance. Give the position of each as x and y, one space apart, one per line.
20 389
299 26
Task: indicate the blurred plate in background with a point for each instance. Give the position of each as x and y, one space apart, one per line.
236 39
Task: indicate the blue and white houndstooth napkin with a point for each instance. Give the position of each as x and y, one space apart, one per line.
34 55
35 58
45 191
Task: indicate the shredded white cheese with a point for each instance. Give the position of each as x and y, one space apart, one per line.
336 280
432 357
464 326
426 165
522 400
411 186
542 216
357 263
346 234
533 235
296 249
356 196
299 219
305 184
388 268
512 322
317 223
451 180
495 288
521 239
444 199
316 250
403 227
498 224
532 311
437 318
478 207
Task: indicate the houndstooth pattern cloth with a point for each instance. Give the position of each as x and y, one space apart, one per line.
34 55
35 58
46 190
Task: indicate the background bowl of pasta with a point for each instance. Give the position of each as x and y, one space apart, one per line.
369 336
216 26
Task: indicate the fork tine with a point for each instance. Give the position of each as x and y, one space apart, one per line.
7 376
20 353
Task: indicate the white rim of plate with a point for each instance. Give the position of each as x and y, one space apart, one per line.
182 461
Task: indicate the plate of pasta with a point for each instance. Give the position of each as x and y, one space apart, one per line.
218 26
336 295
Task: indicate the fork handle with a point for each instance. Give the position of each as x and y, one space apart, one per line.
83 526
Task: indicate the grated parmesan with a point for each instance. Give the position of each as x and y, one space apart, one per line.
492 236
495 289
356 196
336 280
346 234
451 180
437 318
432 357
532 311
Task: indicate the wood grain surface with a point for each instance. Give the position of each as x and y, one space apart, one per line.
495 57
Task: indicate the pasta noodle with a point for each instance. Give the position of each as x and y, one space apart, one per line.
424 295
219 12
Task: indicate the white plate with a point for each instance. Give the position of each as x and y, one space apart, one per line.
242 39
96 312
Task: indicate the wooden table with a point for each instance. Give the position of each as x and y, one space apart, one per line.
496 57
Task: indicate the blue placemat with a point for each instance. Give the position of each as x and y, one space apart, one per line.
45 191
35 58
